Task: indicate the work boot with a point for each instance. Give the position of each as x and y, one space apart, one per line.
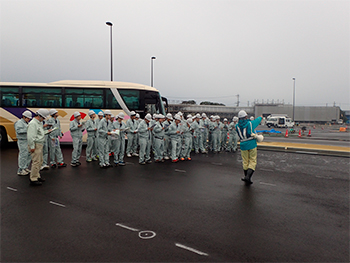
245 176
249 176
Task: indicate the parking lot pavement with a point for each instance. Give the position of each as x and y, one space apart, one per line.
297 210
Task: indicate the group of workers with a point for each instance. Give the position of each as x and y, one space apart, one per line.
167 137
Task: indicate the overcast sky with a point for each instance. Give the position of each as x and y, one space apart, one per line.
205 49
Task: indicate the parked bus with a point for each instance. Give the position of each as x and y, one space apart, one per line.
69 96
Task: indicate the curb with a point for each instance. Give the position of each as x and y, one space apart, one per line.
291 149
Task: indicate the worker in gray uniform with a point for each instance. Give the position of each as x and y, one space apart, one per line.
91 128
144 131
76 130
100 116
132 125
224 131
158 135
187 131
232 143
21 134
167 145
174 132
119 149
204 122
54 142
103 132
46 146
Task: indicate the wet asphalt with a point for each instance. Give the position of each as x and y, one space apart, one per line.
297 210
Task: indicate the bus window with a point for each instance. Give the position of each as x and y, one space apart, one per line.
84 98
9 96
131 98
37 97
111 102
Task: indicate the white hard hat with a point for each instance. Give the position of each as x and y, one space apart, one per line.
211 117
112 116
108 112
204 115
132 113
91 112
177 117
100 113
120 116
251 118
43 113
169 116
53 112
148 117
259 138
217 117
180 113
198 116
76 114
225 119
161 116
137 115
27 114
235 118
156 116
189 116
189 120
242 114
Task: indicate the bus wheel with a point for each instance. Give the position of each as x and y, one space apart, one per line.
3 137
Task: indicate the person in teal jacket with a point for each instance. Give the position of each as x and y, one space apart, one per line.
245 130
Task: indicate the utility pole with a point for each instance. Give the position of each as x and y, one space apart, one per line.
237 100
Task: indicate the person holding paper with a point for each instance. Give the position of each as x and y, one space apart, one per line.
91 128
103 132
132 124
175 138
167 145
118 136
232 142
76 131
55 148
158 133
144 131
188 135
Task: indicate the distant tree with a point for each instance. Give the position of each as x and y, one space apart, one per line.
189 102
211 103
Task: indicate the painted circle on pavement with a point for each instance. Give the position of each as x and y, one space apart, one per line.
147 234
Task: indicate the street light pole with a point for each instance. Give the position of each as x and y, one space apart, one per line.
293 98
152 58
111 25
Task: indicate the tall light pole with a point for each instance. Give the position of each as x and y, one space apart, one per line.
111 25
152 58
293 98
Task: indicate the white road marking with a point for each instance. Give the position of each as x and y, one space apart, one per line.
126 227
147 234
191 249
217 163
54 203
180 171
12 189
267 184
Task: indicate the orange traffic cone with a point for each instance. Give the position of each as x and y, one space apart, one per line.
286 135
299 134
309 135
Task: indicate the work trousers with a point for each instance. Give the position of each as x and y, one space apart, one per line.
77 146
224 139
232 142
119 150
198 143
158 148
216 141
175 148
55 151
249 158
23 155
167 146
145 149
37 161
103 147
91 148
186 153
46 150
132 143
